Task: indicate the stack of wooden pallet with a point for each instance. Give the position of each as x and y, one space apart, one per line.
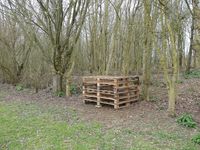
118 91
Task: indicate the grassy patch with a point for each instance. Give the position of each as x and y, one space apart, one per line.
187 121
196 139
19 87
28 125
2 95
60 94
192 74
179 82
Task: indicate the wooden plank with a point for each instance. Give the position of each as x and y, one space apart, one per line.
110 77
127 96
98 94
83 90
90 100
116 101
107 93
108 103
110 98
128 101
124 87
101 97
90 90
90 83
91 95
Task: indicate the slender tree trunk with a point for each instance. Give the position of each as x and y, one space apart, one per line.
147 49
195 58
180 58
114 37
180 48
175 66
169 46
189 61
36 89
172 99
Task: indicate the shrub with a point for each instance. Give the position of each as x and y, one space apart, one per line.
179 81
192 74
74 89
60 94
196 139
187 121
19 87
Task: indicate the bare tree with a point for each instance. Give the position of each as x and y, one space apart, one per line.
15 49
169 50
192 10
60 22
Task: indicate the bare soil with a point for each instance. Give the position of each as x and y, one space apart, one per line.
137 116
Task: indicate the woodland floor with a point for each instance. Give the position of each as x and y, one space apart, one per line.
44 121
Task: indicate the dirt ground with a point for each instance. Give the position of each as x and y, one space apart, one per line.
138 115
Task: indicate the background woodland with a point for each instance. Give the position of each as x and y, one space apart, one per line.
44 43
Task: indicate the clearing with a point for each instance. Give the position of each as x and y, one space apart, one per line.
43 121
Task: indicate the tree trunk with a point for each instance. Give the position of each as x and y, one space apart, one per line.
57 83
147 54
172 100
68 84
180 59
195 59
189 61
36 89
180 49
68 79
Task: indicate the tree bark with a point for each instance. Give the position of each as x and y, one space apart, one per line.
172 100
68 84
147 49
189 61
57 83
68 79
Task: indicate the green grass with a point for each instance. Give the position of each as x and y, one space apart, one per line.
196 139
19 87
31 126
187 121
60 94
192 74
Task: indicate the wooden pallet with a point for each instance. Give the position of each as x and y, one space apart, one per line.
117 91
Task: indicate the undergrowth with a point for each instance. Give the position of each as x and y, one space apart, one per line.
19 87
187 121
60 94
196 139
74 89
192 74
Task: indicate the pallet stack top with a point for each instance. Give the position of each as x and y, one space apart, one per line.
108 77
